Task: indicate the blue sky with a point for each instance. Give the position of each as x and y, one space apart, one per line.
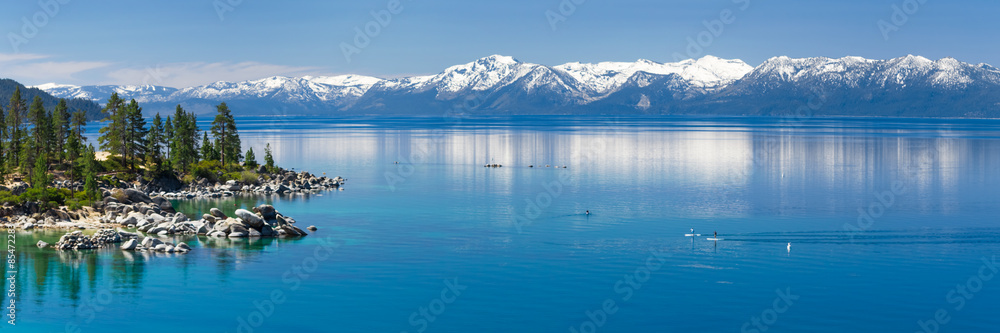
182 43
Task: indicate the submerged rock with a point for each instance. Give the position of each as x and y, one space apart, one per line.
78 241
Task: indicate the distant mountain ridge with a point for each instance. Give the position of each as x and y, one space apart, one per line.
502 85
7 87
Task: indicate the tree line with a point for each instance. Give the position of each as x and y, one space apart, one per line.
36 144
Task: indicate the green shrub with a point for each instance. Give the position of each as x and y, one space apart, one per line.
249 177
74 204
81 197
207 170
57 196
9 198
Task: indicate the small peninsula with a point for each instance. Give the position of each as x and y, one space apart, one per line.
121 190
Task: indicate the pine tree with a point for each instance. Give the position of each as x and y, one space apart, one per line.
3 144
3 140
268 158
40 130
73 151
250 160
74 143
78 121
90 174
183 142
40 176
15 129
155 138
113 136
208 151
227 138
60 129
168 134
135 140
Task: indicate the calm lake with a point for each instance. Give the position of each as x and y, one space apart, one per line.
892 225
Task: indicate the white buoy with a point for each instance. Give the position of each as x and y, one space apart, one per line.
789 247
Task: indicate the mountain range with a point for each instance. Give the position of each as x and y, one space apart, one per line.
909 86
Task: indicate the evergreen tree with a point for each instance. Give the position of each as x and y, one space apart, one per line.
113 135
40 176
135 140
74 143
78 122
250 160
40 130
227 138
73 151
168 134
155 139
183 142
15 129
90 174
3 144
268 158
208 151
60 129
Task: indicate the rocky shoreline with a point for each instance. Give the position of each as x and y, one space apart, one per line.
151 215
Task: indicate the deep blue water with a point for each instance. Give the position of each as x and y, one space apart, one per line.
885 219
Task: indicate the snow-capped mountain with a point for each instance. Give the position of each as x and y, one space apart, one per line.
141 93
853 72
904 86
707 72
909 85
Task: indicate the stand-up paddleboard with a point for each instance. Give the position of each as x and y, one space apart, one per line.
692 235
713 239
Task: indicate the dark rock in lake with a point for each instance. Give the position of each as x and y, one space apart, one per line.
267 212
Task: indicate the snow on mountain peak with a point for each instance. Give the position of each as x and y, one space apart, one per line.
485 73
707 72
511 80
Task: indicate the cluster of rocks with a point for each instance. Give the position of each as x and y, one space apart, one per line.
286 183
153 244
30 216
263 221
76 240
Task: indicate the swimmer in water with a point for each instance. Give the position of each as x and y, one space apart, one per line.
588 212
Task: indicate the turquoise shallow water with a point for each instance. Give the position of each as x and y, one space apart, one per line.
438 243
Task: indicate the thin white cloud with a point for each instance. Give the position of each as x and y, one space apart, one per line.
189 74
35 68
14 57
